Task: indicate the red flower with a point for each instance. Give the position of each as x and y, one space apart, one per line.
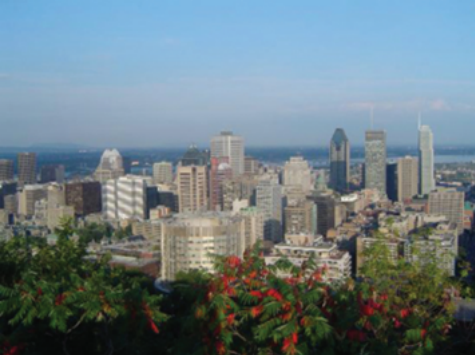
39 291
384 297
274 293
152 326
257 294
397 323
367 310
220 348
253 274
60 299
405 312
233 261
423 333
295 338
230 318
255 311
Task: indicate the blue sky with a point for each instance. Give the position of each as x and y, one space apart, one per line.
168 73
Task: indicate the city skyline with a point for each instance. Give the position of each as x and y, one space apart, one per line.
275 74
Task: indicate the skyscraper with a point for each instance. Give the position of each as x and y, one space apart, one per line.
84 196
125 197
110 167
375 161
162 173
269 202
6 169
51 173
407 178
193 156
192 188
339 161
297 172
26 168
220 172
449 203
426 160
231 146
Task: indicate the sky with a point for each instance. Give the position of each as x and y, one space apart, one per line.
158 73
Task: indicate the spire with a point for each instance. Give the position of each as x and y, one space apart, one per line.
372 117
419 121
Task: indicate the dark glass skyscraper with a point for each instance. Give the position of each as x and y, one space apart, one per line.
339 161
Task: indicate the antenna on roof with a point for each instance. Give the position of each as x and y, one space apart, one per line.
419 120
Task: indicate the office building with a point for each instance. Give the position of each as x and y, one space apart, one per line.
192 188
125 198
269 202
339 161
189 241
6 170
448 203
329 213
239 188
392 181
301 218
220 172
375 161
110 167
52 173
26 168
297 172
163 173
231 146
251 166
408 178
84 196
253 226
426 160
28 198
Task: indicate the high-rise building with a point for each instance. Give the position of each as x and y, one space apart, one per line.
375 161
339 161
449 203
392 181
125 198
162 173
301 218
269 202
189 241
426 160
7 188
192 188
220 172
28 198
231 146
297 172
253 226
52 173
84 196
26 168
251 165
326 212
239 188
6 170
110 167
407 177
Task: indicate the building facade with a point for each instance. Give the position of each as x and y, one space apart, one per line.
407 178
375 161
84 196
339 161
26 163
228 145
297 172
426 160
269 202
125 198
6 170
192 188
220 172
449 203
163 173
111 166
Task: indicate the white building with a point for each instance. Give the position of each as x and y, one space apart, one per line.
162 173
269 202
125 198
189 241
297 172
337 264
231 146
110 167
426 160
